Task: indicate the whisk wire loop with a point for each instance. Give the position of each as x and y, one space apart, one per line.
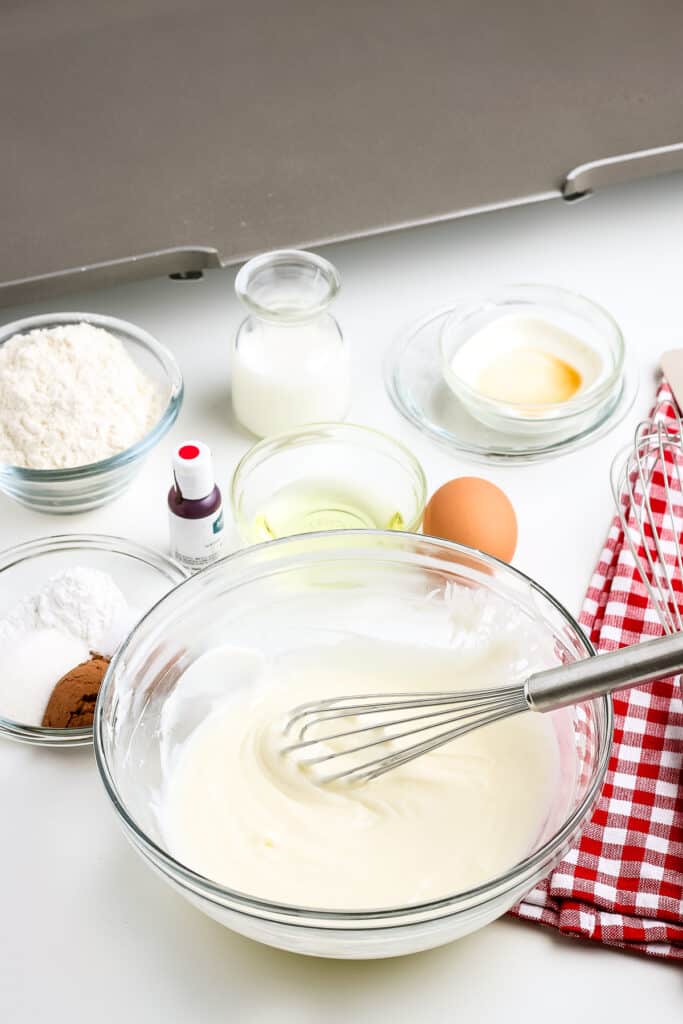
447 715
647 484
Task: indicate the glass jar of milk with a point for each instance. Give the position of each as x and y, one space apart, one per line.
290 362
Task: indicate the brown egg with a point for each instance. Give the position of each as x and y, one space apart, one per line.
474 512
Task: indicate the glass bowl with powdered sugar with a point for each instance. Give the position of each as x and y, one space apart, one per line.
84 398
66 604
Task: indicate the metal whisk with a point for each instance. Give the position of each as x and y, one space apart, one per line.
647 484
395 728
442 717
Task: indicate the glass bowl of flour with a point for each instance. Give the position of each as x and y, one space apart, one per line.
188 740
84 398
65 600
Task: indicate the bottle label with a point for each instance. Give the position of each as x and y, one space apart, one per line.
196 543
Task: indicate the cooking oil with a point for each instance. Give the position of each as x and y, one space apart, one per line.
306 506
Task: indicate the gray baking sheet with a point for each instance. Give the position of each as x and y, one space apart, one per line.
157 136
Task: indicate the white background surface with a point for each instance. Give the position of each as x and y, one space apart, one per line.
86 931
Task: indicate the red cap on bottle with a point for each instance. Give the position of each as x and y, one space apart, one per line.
193 470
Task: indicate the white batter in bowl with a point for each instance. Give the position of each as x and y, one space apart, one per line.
241 812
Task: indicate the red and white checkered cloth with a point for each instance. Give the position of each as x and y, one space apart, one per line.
623 883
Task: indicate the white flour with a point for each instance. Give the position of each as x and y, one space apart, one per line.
82 603
70 396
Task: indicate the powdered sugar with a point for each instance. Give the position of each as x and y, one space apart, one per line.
83 603
70 396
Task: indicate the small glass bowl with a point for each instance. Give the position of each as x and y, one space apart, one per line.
81 488
143 575
327 476
573 313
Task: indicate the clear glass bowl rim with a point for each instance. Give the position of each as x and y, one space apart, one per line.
262 450
11 556
306 260
400 916
556 413
140 447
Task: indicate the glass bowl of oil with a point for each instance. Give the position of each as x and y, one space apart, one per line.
327 476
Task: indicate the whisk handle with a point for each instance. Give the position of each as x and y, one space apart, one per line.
594 677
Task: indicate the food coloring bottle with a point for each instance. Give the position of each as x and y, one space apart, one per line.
195 507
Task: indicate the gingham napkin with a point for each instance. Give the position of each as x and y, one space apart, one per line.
623 883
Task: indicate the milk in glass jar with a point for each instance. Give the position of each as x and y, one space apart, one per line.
290 363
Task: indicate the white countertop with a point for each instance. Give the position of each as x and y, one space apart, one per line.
87 931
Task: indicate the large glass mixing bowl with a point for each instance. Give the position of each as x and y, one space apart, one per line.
300 592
